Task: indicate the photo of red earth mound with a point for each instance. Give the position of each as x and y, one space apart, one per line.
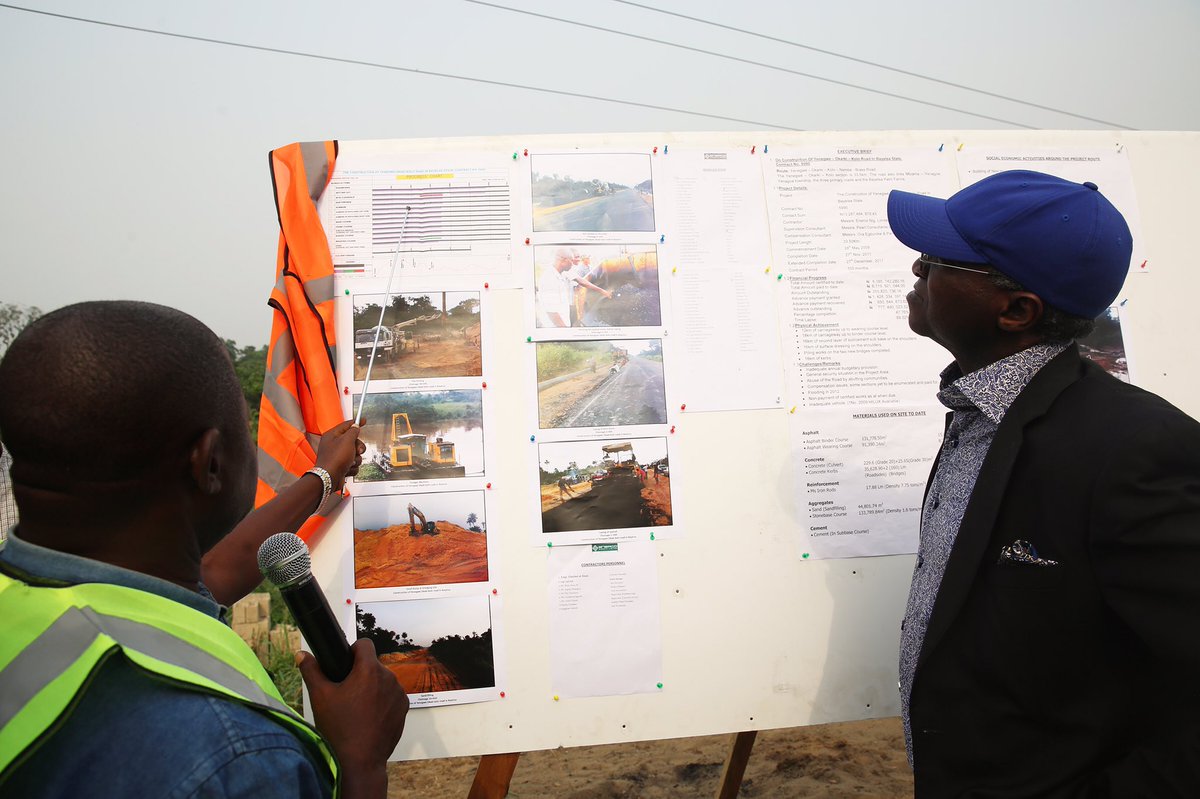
393 557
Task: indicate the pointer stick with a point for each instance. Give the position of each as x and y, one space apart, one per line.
386 298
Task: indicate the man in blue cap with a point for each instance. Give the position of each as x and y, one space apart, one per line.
1049 647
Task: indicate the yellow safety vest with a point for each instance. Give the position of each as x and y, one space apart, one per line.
55 638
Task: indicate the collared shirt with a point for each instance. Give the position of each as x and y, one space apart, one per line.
8 505
978 401
135 735
553 296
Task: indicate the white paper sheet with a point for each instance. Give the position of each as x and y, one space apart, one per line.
605 634
723 286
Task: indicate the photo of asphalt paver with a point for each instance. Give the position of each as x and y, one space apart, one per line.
635 394
625 209
615 503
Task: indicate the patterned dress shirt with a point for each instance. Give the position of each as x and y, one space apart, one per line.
978 402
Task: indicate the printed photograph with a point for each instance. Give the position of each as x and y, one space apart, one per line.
421 335
1106 346
432 645
592 191
420 539
606 484
600 383
421 435
603 285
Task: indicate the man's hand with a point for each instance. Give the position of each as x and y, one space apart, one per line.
361 717
340 452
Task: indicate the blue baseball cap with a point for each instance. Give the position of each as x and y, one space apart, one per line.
1063 241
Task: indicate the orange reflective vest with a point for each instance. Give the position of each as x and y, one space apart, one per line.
300 391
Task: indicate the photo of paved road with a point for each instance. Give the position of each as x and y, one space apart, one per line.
600 383
608 484
624 209
592 191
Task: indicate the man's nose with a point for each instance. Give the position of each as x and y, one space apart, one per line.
918 268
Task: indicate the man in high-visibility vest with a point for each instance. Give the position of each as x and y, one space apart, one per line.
132 462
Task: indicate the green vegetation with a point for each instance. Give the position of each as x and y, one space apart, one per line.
423 407
556 358
404 307
250 364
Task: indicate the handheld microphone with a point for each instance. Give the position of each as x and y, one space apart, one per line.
284 560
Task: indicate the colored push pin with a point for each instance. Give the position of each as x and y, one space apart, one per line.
805 556
531 438
1123 302
683 407
1143 266
514 156
674 270
779 276
662 238
488 486
752 149
660 684
495 591
528 339
961 145
672 429
656 149
767 271
527 152
549 543
348 602
792 409
501 694
652 536
485 384
485 285
940 146
764 153
347 292
346 391
665 147
526 239
556 697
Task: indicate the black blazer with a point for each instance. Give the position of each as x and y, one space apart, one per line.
1080 679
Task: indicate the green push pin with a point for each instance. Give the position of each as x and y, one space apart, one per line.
652 536
515 158
660 685
805 556
347 292
551 543
529 339
779 276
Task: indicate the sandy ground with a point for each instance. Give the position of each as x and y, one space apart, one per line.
550 494
451 355
420 672
392 557
862 759
557 399
657 497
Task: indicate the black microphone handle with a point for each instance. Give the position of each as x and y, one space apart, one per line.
320 629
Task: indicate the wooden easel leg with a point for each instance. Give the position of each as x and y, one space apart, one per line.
735 764
493 776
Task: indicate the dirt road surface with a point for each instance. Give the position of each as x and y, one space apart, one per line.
634 395
551 498
616 502
391 557
420 672
450 356
850 760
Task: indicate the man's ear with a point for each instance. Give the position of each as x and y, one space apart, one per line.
206 461
1023 311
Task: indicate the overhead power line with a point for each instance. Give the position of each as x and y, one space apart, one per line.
751 62
875 64
395 68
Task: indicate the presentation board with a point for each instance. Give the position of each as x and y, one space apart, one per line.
777 342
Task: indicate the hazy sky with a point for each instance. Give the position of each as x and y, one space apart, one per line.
138 162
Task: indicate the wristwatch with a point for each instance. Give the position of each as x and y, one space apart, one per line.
326 484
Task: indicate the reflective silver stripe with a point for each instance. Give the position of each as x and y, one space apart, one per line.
40 663
316 167
270 471
161 645
64 641
319 289
283 353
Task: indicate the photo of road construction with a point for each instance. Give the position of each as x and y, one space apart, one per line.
420 539
600 383
596 285
421 435
432 645
606 484
592 191
435 334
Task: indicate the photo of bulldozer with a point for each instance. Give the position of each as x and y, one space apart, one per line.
414 456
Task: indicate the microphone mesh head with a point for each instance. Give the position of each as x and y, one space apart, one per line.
283 559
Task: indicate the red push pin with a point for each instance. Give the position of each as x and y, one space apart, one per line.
348 602
656 150
672 428
489 486
485 285
347 391
752 149
494 592
501 694
683 407
485 384
526 239
1143 266
526 151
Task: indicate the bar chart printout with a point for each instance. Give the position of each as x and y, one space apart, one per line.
455 221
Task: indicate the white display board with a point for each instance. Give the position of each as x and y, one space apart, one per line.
754 634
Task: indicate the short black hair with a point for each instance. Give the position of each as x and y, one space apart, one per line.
112 390
1056 325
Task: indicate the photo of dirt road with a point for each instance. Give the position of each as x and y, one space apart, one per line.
421 335
602 485
432 645
592 191
600 383
420 539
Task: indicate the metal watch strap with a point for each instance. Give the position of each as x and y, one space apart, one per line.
326 484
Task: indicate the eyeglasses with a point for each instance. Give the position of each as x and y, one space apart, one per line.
926 262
